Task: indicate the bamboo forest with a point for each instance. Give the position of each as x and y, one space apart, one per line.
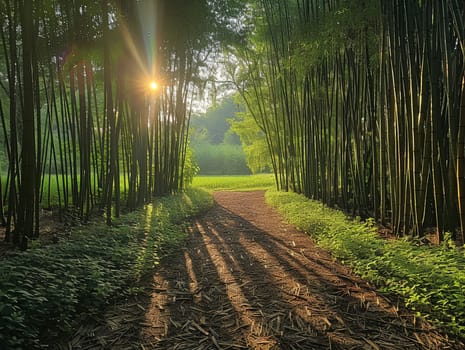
356 107
362 106
79 113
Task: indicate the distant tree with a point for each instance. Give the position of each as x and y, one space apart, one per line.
213 125
217 148
253 140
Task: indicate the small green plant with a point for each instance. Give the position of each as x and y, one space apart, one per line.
430 279
43 289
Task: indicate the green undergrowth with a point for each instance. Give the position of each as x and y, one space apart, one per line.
45 288
235 182
430 279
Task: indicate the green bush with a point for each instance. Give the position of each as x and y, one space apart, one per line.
221 159
430 279
43 289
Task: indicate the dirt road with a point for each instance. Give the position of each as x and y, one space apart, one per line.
247 280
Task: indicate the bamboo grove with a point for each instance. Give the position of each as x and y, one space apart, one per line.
80 130
362 104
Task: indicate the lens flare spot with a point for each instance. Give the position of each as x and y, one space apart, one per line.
153 85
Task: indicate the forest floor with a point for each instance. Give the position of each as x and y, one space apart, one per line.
247 280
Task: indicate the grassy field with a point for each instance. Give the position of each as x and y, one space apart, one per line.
52 190
235 183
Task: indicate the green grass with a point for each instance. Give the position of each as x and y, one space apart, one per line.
44 289
50 198
430 279
52 188
235 183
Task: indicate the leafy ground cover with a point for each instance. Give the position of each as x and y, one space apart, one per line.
235 183
430 279
43 289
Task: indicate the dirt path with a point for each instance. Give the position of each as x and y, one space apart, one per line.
246 280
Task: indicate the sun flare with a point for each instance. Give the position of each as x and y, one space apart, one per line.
153 85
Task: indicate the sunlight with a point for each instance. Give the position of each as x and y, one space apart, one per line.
193 284
148 12
227 268
132 48
144 56
153 85
148 218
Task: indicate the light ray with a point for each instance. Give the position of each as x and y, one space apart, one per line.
148 11
133 49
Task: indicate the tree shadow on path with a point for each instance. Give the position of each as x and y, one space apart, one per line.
248 281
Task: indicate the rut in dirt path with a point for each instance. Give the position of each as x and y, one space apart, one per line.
246 280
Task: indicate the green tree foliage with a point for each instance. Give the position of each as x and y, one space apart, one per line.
213 126
222 159
253 142
217 148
